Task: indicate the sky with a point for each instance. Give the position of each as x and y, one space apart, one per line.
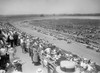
13 7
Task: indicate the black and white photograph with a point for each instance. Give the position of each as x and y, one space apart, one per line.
49 36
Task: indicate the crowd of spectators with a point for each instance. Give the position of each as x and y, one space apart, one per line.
39 50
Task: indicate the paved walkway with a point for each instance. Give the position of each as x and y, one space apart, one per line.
28 67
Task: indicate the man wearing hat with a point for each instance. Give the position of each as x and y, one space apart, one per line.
11 52
15 35
2 36
67 67
31 52
39 70
27 44
4 58
36 58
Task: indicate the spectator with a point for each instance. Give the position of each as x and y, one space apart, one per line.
15 38
11 40
31 52
36 59
4 58
2 37
11 52
27 44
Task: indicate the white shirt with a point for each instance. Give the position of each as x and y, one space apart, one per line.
21 40
83 65
90 68
11 50
3 51
16 72
48 50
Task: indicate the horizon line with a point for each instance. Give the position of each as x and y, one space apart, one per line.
51 14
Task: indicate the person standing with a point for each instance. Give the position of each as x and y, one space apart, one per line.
11 52
8 38
4 58
27 44
15 38
2 37
11 40
31 52
24 45
36 58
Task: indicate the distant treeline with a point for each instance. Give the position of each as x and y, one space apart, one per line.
40 15
98 14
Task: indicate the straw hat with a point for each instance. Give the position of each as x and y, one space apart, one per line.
15 59
16 71
3 51
2 71
8 46
48 50
39 70
67 67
